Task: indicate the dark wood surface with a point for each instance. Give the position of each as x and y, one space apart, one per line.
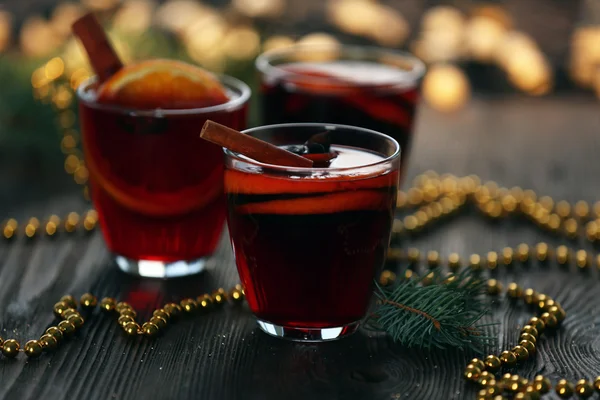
549 145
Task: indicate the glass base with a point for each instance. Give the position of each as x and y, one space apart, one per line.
307 334
160 269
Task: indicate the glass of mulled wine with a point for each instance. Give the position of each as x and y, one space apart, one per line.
157 187
308 242
363 86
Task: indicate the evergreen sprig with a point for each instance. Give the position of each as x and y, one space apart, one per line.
440 315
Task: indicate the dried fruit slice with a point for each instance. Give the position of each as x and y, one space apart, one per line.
237 182
167 84
329 203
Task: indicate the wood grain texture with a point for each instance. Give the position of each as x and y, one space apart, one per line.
549 145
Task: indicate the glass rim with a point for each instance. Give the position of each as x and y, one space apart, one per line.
323 125
263 63
231 105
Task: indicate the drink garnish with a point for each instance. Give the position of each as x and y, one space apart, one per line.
151 84
251 147
317 148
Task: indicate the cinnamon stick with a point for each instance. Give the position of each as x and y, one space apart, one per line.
102 56
251 147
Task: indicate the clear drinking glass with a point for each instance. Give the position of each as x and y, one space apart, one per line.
370 87
157 187
308 242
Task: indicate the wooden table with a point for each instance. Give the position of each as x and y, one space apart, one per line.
549 145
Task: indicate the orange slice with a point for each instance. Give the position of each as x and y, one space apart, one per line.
237 182
330 203
167 84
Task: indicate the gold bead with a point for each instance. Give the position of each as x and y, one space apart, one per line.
66 314
521 396
415 196
32 227
521 353
546 304
52 225
531 330
427 280
538 324
159 321
409 274
509 203
530 346
150 329
59 308
88 300
541 251
174 310
395 254
581 258
482 395
475 262
472 373
454 262
507 255
591 231
550 321
492 260
411 223
597 380
76 320
122 306
523 252
584 389
128 312
132 328
219 297
515 383
554 222
1 342
48 342
397 229
401 199
563 209
492 363
558 312
413 255
571 227
582 209
10 348
542 384
9 228
562 255
33 349
493 389
71 222
387 278
124 320
508 358
66 327
450 278
530 296
69 301
564 389
90 220
161 313
494 287
484 378
188 305
237 297
433 259
528 337
54 331
546 202
514 291
205 302
478 363
108 304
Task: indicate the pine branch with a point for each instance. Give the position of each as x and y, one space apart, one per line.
441 315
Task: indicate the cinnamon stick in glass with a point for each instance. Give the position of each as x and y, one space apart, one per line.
102 56
251 147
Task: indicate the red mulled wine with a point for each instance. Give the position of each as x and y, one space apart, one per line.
308 246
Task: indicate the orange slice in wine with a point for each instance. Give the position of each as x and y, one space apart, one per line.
166 84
